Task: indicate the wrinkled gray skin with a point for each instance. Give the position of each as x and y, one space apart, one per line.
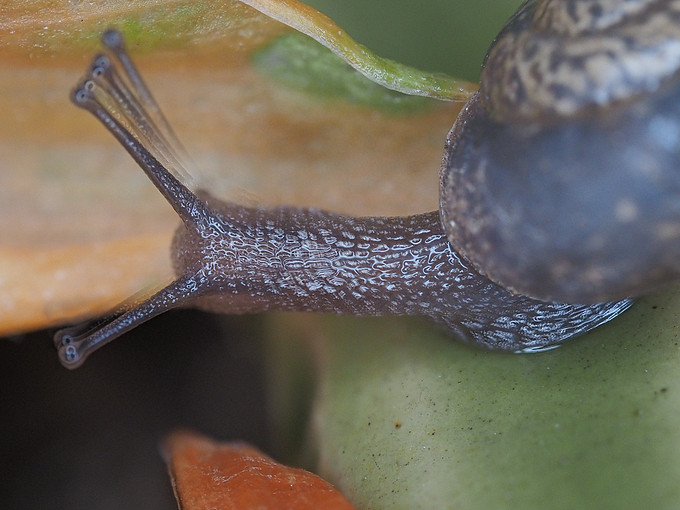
233 259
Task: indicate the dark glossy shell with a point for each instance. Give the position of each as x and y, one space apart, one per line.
561 178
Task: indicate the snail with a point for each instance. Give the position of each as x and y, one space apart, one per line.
575 97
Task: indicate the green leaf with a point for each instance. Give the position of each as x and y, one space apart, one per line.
299 62
386 72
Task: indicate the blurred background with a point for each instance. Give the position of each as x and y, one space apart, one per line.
90 438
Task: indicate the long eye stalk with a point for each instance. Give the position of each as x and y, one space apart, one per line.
124 105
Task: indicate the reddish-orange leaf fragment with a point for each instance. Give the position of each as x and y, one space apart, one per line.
207 474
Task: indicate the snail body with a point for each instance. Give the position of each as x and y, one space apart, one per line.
561 179
234 259
310 260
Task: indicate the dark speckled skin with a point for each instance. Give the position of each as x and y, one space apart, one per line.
233 259
308 260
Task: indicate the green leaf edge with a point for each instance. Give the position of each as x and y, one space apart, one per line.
386 72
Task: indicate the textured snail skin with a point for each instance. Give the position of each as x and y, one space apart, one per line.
561 178
233 259
309 260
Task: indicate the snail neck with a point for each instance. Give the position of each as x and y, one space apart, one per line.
311 260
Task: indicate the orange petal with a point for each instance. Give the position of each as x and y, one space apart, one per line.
207 474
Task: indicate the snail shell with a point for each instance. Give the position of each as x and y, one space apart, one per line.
561 178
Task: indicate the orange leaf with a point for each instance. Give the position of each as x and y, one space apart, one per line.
81 228
207 474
